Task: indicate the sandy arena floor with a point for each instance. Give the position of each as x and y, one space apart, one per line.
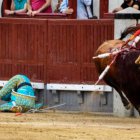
67 126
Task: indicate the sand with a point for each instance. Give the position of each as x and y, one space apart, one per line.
67 126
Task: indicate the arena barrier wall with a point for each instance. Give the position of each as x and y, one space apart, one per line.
57 51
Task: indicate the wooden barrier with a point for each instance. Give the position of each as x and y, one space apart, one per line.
104 5
6 4
73 5
23 46
40 15
72 45
58 51
109 16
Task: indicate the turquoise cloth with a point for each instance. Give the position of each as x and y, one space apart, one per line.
26 90
19 4
6 106
5 92
23 97
7 97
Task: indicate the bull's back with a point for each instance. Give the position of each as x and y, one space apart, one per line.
106 47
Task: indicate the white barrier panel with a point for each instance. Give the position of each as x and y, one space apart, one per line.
35 85
79 87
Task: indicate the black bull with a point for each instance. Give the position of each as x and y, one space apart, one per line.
124 74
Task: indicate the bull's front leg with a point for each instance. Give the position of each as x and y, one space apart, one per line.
125 101
137 107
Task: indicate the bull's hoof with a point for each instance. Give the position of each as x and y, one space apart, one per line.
128 106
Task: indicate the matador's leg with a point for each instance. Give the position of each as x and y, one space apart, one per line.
11 84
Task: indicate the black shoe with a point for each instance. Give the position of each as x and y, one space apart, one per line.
94 17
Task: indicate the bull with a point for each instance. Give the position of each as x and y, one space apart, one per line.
124 73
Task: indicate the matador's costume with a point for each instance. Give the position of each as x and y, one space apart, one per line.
19 94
